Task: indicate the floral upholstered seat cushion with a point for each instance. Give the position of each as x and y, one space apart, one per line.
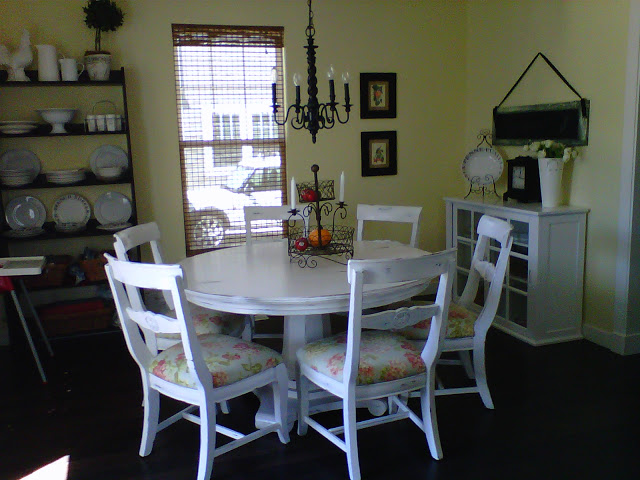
209 321
461 324
384 356
229 360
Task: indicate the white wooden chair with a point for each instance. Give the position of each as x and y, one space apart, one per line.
389 213
206 320
262 214
198 370
378 363
468 322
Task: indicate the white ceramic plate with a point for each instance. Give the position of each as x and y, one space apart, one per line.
112 207
25 212
71 208
112 227
17 129
108 156
23 233
482 166
20 159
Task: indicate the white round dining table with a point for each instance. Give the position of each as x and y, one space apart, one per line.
263 279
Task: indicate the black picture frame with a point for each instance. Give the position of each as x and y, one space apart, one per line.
379 153
527 189
377 95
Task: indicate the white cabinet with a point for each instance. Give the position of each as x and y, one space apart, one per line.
542 294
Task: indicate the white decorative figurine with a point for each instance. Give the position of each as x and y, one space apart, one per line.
18 60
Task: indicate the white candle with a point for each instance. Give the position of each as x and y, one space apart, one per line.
293 193
341 199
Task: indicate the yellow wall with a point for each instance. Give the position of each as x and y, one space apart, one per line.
454 60
423 42
587 41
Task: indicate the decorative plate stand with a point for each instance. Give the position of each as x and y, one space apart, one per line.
482 167
306 244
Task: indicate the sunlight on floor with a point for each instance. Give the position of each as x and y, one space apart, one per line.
57 470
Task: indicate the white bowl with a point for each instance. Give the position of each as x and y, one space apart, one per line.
109 173
57 117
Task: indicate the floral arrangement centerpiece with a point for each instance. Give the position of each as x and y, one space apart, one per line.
552 156
552 149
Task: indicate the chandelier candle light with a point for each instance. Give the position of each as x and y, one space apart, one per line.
313 116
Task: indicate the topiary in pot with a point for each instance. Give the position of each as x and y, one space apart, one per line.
101 16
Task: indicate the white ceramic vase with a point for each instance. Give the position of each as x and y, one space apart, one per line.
551 181
98 66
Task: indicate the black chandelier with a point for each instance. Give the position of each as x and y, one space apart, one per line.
313 116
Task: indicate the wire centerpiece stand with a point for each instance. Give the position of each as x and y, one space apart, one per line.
325 239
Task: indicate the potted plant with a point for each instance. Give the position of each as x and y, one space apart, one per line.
552 156
101 16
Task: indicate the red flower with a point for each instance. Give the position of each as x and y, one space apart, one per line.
160 368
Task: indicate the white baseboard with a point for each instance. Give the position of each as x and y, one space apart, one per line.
617 343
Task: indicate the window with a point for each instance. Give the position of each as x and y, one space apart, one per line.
232 153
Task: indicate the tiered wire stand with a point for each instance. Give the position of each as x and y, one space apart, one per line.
305 247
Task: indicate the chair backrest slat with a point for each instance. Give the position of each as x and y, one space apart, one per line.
389 213
398 318
255 214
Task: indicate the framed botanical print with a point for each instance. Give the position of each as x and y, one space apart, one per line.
379 153
377 95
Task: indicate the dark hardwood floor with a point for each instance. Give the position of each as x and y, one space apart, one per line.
567 411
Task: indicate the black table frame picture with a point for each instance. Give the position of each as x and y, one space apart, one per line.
526 187
379 153
377 95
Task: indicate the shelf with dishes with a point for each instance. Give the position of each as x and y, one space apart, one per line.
75 178
26 217
116 78
21 169
45 130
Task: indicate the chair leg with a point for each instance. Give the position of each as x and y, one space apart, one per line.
151 403
302 386
35 316
247 333
224 407
465 358
481 375
207 440
25 327
280 402
351 436
429 417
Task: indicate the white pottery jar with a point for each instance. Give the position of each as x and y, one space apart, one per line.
551 181
98 66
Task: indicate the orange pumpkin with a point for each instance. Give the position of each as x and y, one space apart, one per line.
325 238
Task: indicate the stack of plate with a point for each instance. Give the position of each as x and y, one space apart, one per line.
70 227
71 213
113 211
18 167
17 127
25 215
15 178
65 177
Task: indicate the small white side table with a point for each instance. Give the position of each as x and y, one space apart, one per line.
18 267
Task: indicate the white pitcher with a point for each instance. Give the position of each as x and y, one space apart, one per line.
48 70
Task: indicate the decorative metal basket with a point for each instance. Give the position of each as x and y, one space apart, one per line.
339 245
325 189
